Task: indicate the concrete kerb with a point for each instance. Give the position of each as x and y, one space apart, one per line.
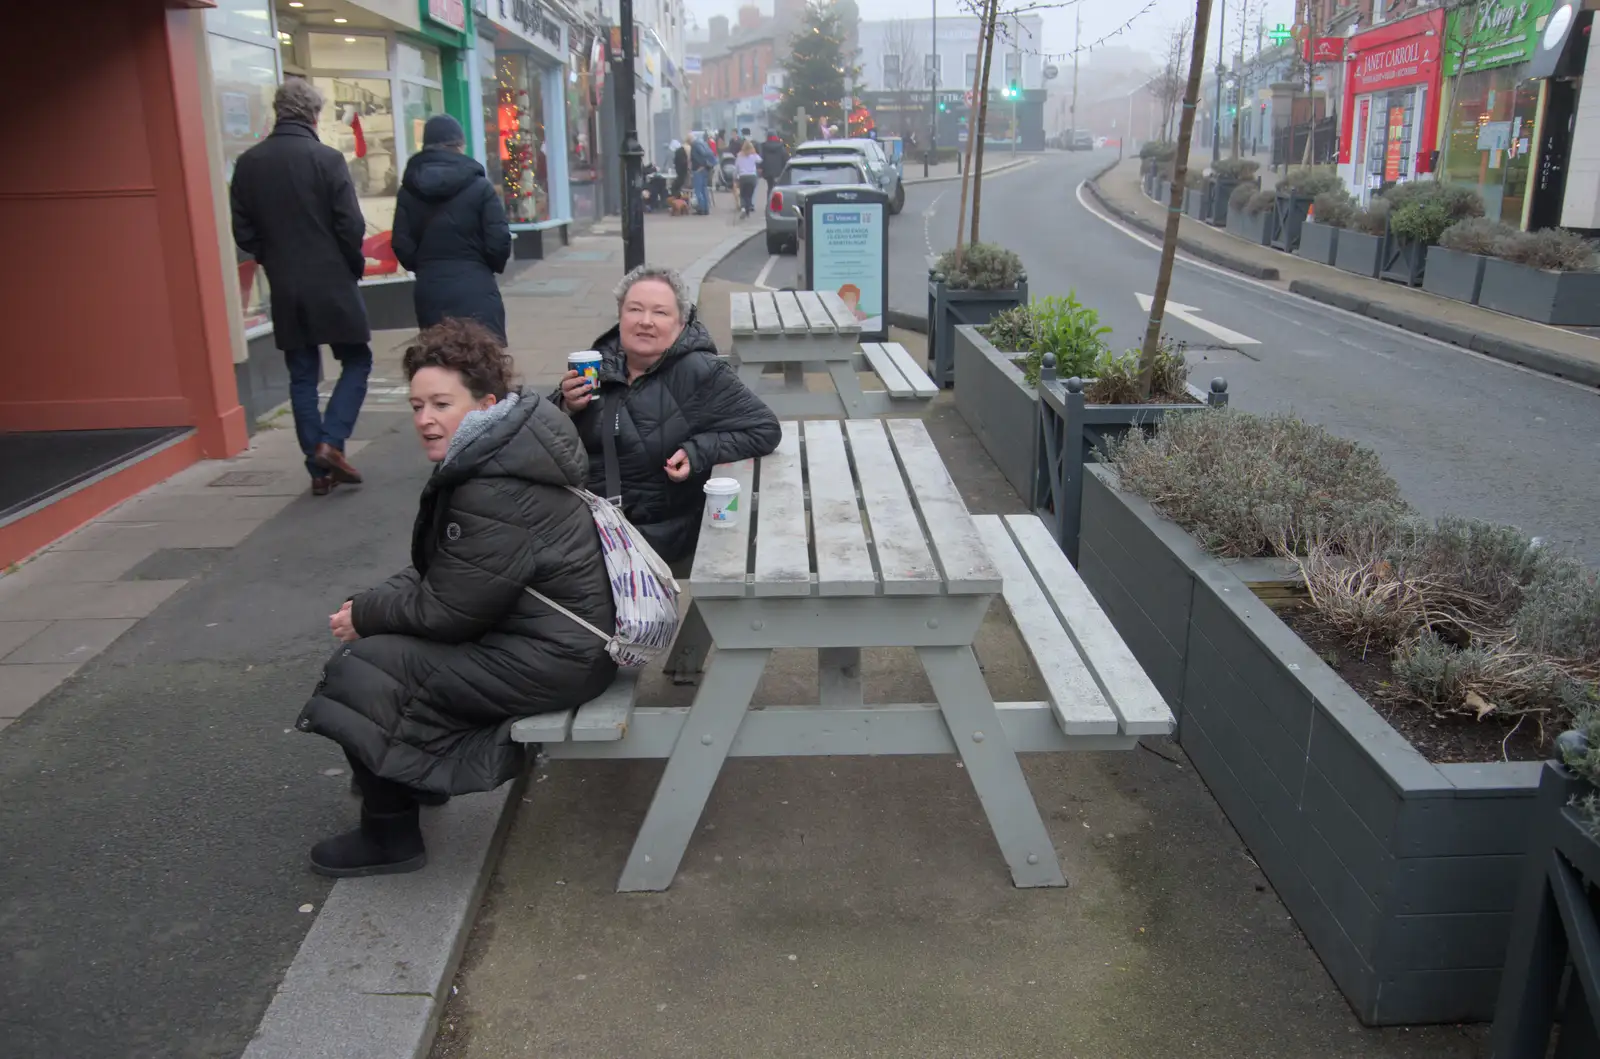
1189 246
1019 163
372 976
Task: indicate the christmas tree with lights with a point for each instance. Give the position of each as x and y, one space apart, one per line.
818 65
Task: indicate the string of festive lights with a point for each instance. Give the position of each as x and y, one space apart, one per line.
1084 49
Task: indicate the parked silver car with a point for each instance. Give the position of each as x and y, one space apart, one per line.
884 174
802 176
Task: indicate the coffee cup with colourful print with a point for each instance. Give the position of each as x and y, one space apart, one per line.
586 364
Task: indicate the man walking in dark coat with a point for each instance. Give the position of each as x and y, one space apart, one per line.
295 211
774 156
450 229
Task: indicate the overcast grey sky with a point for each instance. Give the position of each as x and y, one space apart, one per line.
1147 31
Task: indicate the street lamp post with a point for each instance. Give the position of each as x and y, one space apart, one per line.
632 152
933 93
1216 111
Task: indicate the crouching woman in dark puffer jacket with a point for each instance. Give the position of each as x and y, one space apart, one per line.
436 663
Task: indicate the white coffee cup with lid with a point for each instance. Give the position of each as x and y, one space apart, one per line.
722 501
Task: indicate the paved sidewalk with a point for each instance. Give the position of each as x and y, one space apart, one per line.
1538 346
157 805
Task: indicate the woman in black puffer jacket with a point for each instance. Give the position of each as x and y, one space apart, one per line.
439 661
677 410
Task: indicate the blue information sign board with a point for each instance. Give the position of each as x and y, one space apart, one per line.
847 251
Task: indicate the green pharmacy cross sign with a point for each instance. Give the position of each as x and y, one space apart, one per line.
1279 34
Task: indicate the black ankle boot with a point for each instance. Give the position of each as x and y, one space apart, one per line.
384 844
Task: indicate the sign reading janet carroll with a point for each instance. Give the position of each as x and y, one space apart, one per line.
847 252
1404 62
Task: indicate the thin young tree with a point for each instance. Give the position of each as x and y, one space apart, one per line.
1169 84
1180 169
983 116
986 12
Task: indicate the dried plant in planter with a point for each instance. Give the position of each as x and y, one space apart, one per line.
981 266
1334 208
1550 248
1477 235
1584 759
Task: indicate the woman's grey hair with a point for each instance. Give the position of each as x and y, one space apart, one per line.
669 276
297 100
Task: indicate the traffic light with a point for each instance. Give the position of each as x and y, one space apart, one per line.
941 106
1012 91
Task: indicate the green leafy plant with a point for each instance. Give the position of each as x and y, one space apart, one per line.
1585 761
1421 212
1011 331
981 266
1336 208
1116 378
1063 326
1476 235
1551 248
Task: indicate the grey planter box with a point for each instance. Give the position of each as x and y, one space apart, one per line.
1566 299
1359 252
1403 260
1221 191
998 406
1402 874
1194 203
1453 274
949 309
1318 242
1290 213
1257 227
1164 191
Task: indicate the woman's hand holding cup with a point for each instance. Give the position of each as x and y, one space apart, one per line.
575 392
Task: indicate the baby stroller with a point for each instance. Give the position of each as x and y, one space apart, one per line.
727 180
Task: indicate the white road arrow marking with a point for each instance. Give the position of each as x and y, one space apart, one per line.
1190 315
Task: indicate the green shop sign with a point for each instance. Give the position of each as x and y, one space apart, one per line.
1490 33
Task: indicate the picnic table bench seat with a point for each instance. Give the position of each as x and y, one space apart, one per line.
816 331
856 537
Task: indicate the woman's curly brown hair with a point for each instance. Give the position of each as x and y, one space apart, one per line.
467 348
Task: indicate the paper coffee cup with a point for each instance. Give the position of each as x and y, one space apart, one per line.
722 501
587 364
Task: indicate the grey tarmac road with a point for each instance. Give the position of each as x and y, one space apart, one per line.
1461 433
155 811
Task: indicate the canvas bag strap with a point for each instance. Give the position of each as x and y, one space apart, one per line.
553 605
610 426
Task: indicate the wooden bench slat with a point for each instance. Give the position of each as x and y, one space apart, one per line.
843 319
967 566
1127 687
887 370
768 322
722 558
789 314
743 316
1080 707
904 560
543 727
920 382
605 717
844 565
817 315
783 561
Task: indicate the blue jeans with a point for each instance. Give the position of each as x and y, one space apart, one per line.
702 195
313 427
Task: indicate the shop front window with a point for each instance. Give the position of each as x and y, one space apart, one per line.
1390 128
358 121
244 74
582 172
517 137
1490 139
339 51
419 103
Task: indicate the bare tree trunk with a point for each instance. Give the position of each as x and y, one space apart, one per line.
1180 169
966 173
983 113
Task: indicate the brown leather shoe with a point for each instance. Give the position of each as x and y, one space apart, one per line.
332 460
321 486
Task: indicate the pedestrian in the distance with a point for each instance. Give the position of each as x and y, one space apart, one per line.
702 160
295 211
680 168
748 166
450 229
774 156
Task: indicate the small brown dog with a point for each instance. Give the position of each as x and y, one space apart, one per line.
678 206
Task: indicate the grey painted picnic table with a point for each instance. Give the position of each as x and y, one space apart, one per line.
816 331
854 536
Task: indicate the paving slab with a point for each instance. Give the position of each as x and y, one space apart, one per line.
13 634
115 599
22 686
68 642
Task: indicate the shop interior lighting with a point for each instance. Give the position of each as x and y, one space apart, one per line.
349 40
341 21
296 3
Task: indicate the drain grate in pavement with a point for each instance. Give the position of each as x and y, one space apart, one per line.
247 478
175 564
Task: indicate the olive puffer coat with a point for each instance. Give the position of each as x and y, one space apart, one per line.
691 400
452 650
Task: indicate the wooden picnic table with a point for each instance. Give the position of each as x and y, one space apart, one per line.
816 331
854 536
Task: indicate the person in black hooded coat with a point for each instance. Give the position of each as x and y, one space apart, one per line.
437 662
679 411
450 229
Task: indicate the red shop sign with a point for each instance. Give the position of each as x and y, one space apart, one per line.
1329 50
1403 62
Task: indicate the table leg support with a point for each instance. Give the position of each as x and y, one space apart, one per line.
688 657
697 758
996 773
839 676
849 386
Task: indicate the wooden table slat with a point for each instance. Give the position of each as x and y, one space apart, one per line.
789 314
817 315
783 560
906 565
843 318
966 562
768 322
722 558
743 317
844 565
